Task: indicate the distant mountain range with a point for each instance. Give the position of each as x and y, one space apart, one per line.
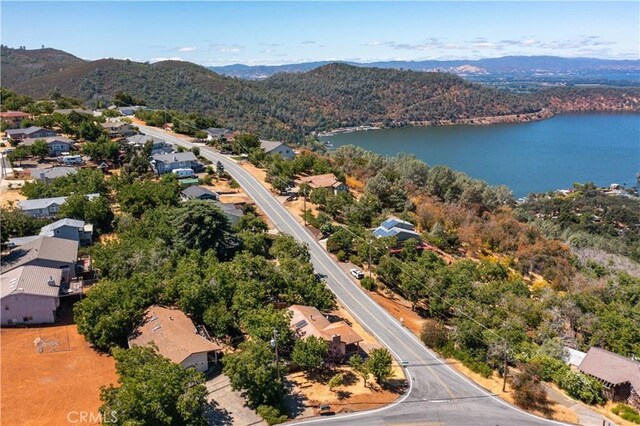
289 105
509 65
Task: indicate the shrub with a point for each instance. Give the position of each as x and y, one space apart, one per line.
549 367
626 412
356 260
336 381
528 392
341 256
581 387
271 415
368 284
434 334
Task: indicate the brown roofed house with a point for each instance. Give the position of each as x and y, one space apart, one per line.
309 321
327 180
619 375
175 337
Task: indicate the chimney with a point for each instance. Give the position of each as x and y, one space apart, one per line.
51 281
311 317
335 339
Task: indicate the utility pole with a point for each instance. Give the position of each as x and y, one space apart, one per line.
505 368
304 208
274 344
370 242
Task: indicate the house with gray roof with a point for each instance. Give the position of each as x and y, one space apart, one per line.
34 277
67 111
274 147
46 207
117 129
196 192
394 227
231 211
57 144
166 163
48 175
70 229
159 146
130 110
216 133
33 132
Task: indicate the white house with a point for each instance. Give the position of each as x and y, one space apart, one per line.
70 229
34 276
215 133
273 147
159 146
394 227
175 337
166 163
117 129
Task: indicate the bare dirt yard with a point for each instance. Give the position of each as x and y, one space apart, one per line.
50 374
310 391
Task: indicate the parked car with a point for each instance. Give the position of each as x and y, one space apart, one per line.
357 273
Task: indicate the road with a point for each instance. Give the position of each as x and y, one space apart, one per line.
437 395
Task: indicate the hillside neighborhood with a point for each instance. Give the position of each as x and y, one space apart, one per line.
99 207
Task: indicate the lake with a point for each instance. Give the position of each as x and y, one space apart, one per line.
545 155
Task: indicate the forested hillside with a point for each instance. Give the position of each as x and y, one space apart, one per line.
287 106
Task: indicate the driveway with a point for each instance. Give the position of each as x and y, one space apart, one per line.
228 407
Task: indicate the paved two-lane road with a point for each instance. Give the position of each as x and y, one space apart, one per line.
437 394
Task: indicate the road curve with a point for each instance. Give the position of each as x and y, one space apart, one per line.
437 394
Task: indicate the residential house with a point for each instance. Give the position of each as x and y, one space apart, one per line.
57 144
48 175
400 229
175 337
309 321
198 193
216 133
166 163
118 129
13 118
328 180
70 229
33 132
46 207
159 146
619 375
34 277
273 147
231 211
128 111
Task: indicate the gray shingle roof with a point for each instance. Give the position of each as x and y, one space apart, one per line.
196 191
44 248
176 156
31 279
43 203
49 140
26 131
52 173
269 146
74 223
142 139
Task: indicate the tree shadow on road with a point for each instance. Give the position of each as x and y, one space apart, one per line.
217 415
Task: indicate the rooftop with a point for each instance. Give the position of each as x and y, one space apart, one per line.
52 173
176 156
321 181
74 223
611 368
31 279
141 139
196 191
269 146
26 131
43 203
48 140
309 321
172 332
114 124
43 248
11 114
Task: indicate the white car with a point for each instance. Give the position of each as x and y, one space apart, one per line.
357 273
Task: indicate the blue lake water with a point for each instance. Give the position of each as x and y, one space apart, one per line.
603 148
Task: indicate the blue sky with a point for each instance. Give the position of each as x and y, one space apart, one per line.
217 33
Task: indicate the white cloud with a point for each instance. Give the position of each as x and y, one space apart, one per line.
173 58
187 49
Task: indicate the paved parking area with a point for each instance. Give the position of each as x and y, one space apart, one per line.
228 405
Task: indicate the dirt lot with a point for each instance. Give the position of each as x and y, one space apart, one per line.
48 373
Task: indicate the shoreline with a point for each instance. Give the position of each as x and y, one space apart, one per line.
543 114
